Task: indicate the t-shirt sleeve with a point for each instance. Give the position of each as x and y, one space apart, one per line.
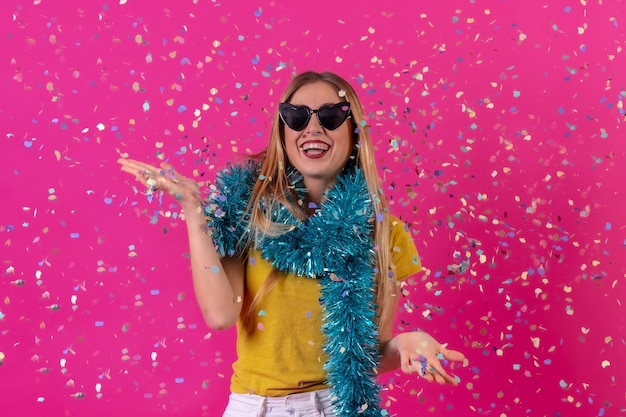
403 250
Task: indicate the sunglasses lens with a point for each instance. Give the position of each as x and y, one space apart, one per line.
331 117
294 117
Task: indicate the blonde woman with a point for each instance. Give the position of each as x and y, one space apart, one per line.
297 248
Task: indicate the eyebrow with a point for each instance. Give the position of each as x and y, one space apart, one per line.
323 104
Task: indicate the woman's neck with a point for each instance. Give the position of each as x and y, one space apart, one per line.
316 187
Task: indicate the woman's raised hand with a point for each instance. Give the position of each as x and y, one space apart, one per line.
421 354
165 178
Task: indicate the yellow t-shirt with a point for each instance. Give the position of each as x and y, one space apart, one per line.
284 354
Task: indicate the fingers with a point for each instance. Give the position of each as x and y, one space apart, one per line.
452 355
416 365
433 371
441 376
430 367
164 177
169 172
131 165
140 170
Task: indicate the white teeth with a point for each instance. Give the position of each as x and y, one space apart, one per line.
314 146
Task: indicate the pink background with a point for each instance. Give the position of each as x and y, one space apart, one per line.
500 134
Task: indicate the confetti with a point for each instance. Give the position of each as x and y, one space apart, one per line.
498 133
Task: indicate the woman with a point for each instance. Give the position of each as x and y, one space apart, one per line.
297 248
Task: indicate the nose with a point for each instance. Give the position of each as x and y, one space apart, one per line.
314 126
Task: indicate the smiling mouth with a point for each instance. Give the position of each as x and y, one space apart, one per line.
314 148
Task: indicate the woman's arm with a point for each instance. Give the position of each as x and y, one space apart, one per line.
218 283
390 359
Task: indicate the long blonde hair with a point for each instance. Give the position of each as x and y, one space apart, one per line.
275 188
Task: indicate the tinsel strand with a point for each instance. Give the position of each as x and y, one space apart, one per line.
336 246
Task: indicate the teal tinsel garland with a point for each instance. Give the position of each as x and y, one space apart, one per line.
226 206
335 246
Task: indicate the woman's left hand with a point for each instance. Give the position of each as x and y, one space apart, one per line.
421 354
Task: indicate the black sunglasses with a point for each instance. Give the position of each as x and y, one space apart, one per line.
330 116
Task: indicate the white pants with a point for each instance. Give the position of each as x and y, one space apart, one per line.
307 404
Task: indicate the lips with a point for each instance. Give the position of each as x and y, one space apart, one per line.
314 149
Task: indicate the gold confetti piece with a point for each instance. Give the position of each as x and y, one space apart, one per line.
536 341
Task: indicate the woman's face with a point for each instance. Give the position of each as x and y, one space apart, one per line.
317 153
